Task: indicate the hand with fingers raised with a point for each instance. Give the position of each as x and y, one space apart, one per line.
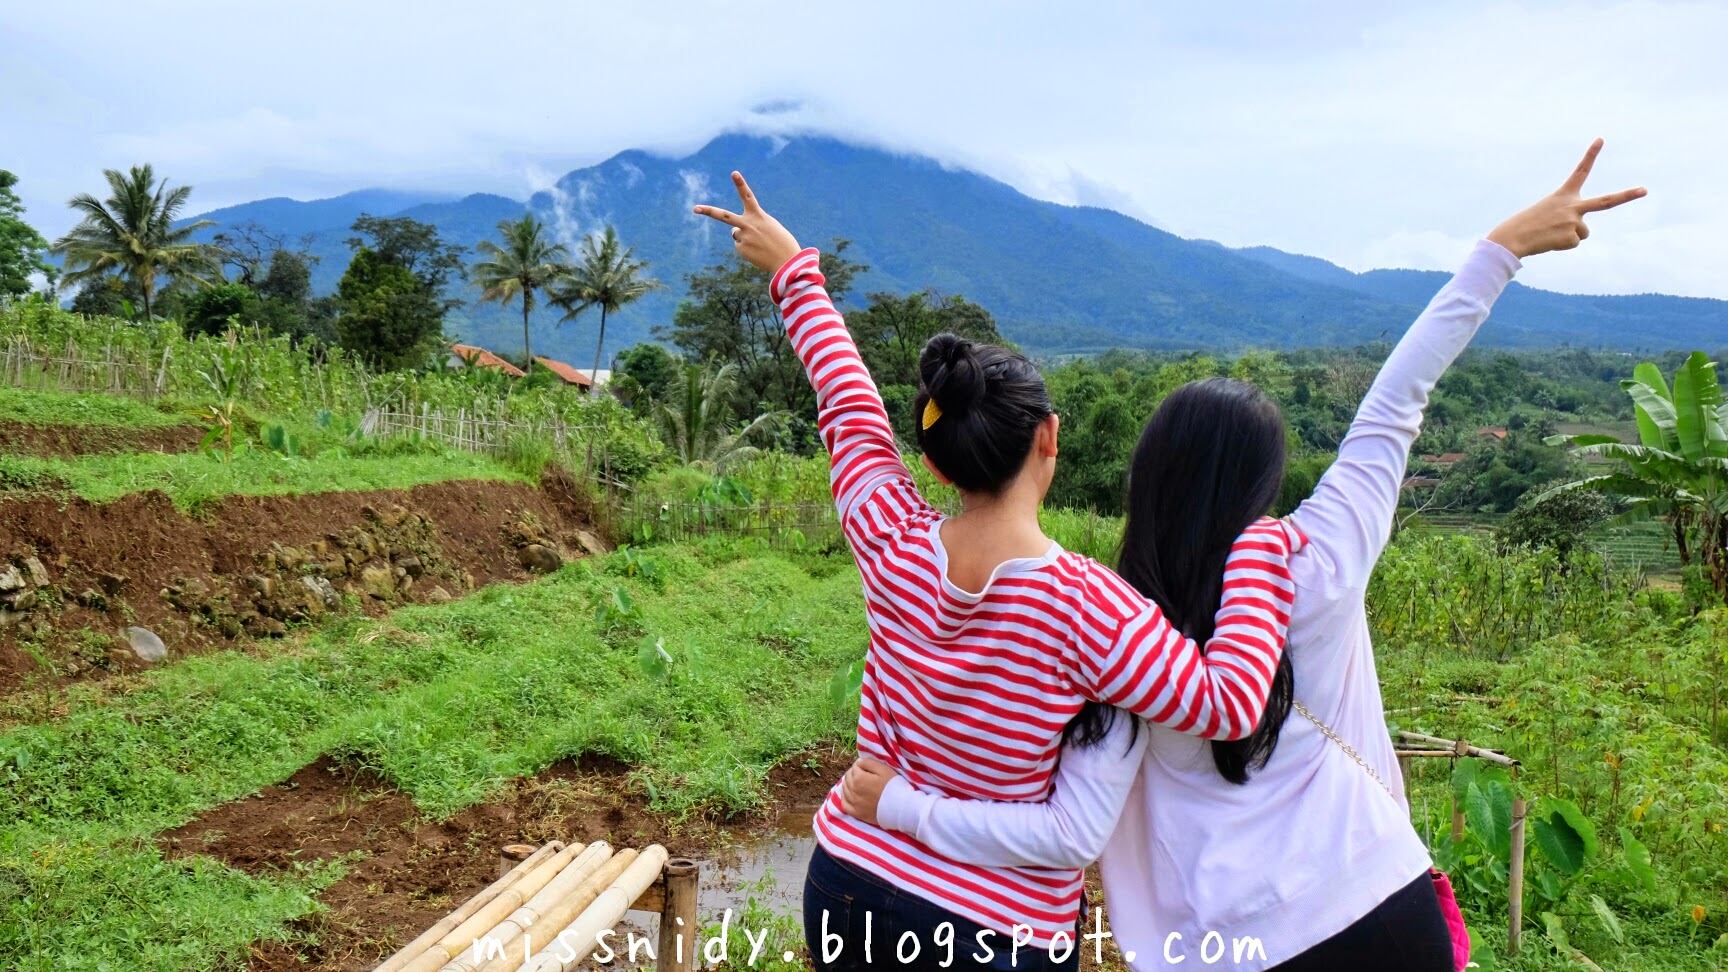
1556 222
758 237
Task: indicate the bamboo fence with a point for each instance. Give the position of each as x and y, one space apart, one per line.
114 370
781 524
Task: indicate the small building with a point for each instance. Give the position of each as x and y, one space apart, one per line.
1443 460
569 375
470 356
1416 484
1495 432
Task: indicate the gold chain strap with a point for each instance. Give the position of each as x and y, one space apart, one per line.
1329 734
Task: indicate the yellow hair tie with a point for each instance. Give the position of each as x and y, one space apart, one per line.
932 412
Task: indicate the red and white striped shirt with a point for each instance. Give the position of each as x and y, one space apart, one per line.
967 694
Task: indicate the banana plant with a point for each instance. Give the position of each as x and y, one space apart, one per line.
1678 469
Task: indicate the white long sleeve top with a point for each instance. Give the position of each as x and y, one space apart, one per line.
1311 843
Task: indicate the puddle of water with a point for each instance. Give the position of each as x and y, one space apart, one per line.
764 874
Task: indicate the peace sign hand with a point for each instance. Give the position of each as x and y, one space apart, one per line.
1557 221
758 237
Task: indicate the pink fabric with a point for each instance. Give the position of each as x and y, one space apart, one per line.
1454 919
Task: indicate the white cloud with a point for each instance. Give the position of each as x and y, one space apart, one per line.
1362 132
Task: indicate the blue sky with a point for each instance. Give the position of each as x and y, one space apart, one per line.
1386 133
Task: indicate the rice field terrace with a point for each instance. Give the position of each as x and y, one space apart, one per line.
275 689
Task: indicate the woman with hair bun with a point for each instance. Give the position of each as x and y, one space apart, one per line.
986 638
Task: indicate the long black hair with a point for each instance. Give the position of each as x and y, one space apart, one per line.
1210 463
991 401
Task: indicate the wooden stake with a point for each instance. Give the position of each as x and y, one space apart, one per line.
678 916
1515 879
454 919
511 855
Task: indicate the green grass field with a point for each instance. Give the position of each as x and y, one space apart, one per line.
445 702
58 408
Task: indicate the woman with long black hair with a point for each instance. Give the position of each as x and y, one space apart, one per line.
986 637
1292 849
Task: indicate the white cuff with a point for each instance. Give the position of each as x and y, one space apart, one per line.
902 807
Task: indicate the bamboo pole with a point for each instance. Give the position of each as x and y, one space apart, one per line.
678 918
454 919
444 949
1515 880
1459 747
549 925
607 910
572 879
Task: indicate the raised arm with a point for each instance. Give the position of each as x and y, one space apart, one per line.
1349 517
871 484
1069 830
1215 692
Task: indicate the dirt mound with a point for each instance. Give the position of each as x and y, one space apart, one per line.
82 573
19 438
413 871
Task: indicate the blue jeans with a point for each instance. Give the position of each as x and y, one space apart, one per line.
844 907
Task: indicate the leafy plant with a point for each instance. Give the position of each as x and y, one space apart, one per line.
1678 470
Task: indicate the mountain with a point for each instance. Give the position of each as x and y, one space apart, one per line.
1058 278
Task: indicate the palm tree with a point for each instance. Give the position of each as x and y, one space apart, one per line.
133 232
527 262
694 418
608 277
1679 468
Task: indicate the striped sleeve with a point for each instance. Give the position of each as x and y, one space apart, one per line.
872 487
1219 692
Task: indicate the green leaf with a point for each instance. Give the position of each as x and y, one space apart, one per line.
653 658
1638 860
1555 931
1465 773
1488 811
1654 407
1610 922
1559 843
1696 396
1577 820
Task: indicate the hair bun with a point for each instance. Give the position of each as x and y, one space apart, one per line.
951 372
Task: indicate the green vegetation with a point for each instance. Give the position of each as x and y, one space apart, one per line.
1679 468
133 234
23 251
1610 695
446 702
59 408
193 480
606 275
526 264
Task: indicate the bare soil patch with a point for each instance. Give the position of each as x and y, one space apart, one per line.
251 566
65 441
406 872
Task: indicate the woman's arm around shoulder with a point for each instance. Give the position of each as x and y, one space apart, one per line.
1069 830
1133 658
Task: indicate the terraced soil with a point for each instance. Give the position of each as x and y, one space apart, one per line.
408 872
253 566
63 441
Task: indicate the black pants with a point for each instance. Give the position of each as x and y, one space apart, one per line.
1404 933
843 904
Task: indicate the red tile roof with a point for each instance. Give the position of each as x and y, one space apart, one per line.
1493 431
482 358
570 375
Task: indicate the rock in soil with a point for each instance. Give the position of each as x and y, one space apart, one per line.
540 558
38 573
145 644
11 578
379 582
325 592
